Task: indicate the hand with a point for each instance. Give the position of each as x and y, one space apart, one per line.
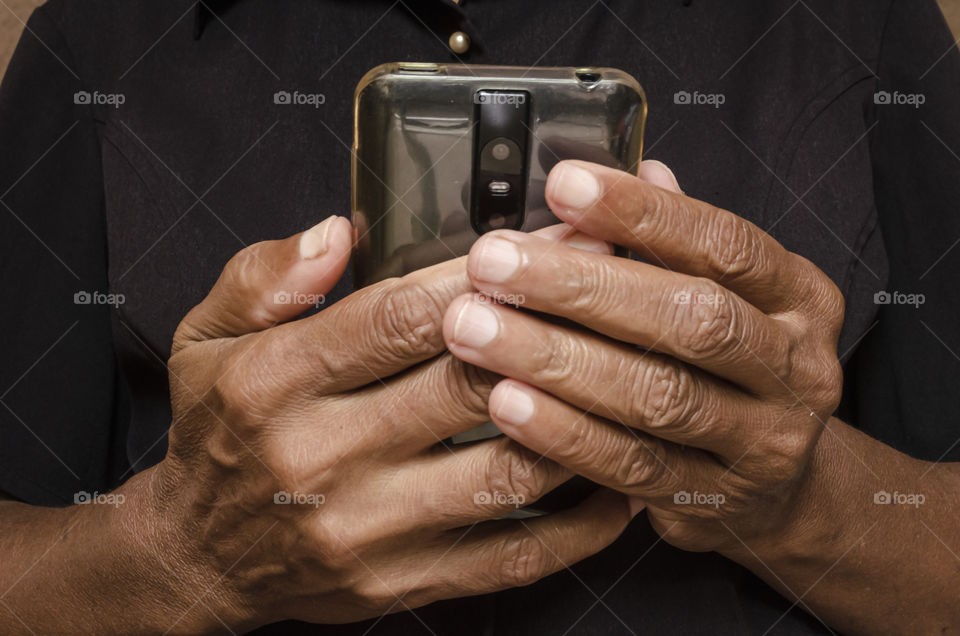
304 477
706 376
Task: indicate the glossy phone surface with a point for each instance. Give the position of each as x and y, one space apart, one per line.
445 152
420 193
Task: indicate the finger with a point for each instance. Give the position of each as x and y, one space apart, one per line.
566 235
270 282
693 319
610 454
651 392
382 329
457 486
657 173
499 555
422 406
678 232
481 481
456 240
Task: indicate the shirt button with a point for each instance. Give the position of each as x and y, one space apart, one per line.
459 42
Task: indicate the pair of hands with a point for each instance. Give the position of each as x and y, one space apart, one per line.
694 386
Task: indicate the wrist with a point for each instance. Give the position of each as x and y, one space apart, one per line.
141 563
191 595
110 565
814 523
868 523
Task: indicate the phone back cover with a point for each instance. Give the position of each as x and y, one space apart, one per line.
413 151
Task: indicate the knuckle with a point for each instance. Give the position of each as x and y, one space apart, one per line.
340 545
579 288
836 304
706 328
235 296
663 396
514 471
242 266
238 394
589 444
409 319
735 246
785 457
266 380
591 288
470 386
555 362
578 442
816 376
280 354
373 594
185 334
243 277
293 463
833 304
833 383
641 469
659 210
826 386
330 550
822 295
777 349
523 560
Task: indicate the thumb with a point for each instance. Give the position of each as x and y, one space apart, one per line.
270 282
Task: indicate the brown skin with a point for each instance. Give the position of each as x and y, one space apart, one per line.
731 395
199 545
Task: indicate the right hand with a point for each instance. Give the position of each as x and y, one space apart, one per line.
345 412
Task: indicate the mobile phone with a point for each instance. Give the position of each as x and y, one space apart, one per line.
443 153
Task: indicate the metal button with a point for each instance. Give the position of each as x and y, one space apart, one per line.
459 42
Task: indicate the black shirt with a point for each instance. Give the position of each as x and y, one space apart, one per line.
821 139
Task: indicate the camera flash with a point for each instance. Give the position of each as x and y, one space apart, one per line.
499 187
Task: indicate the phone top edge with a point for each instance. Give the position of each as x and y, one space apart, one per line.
411 70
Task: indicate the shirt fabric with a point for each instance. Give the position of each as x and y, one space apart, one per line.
803 117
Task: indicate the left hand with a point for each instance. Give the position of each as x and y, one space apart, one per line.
703 380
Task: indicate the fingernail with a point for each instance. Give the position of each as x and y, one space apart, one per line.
589 244
313 242
574 188
476 326
515 405
668 173
497 260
